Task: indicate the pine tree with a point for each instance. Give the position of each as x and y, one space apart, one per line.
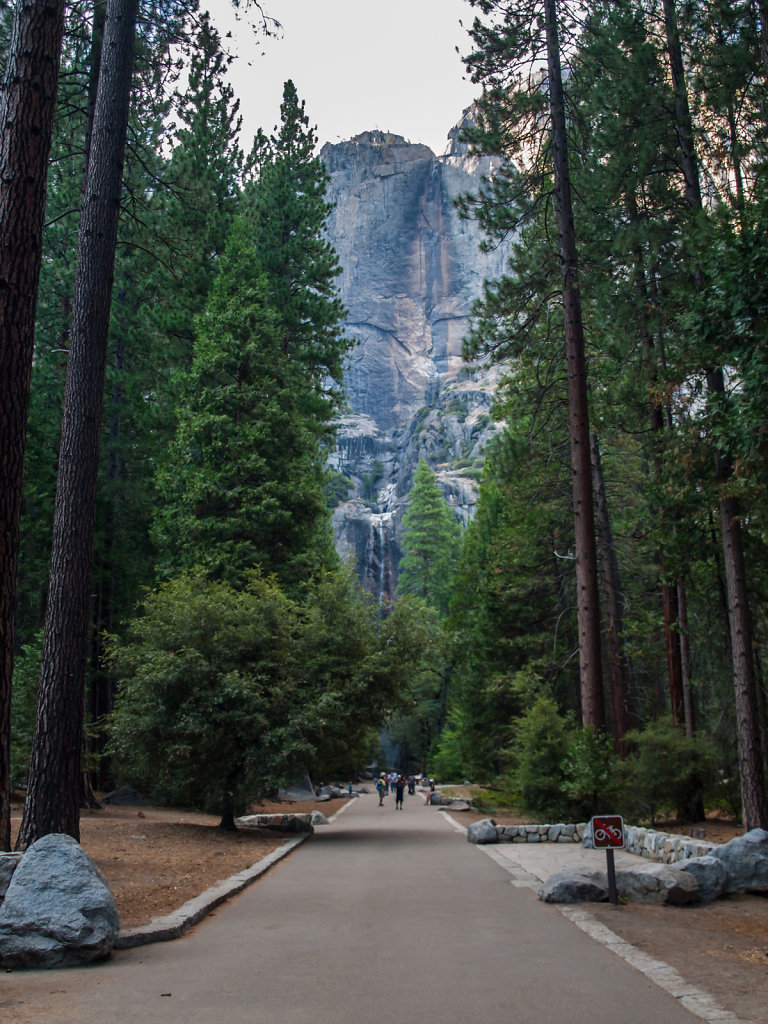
243 488
525 115
26 119
431 543
288 210
53 796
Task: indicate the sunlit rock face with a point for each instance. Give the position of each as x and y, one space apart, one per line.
411 270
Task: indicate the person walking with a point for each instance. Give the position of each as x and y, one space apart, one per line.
380 787
399 790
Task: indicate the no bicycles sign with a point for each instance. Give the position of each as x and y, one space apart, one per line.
608 832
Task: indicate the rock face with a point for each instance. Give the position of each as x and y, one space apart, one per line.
411 270
58 911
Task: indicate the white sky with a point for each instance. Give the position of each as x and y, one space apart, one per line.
358 64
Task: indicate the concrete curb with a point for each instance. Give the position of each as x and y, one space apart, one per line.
173 926
695 1000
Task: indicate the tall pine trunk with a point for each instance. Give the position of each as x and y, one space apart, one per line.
762 6
53 795
27 108
587 591
616 669
669 592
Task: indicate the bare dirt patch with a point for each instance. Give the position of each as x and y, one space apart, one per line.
720 947
157 858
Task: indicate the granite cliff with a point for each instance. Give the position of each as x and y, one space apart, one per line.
411 271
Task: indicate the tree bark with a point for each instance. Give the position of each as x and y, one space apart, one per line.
685 661
683 119
750 740
27 108
762 6
53 797
587 593
614 607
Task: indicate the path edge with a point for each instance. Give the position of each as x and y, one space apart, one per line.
175 924
695 1000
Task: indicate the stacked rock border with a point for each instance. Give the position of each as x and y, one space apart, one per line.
662 847
681 869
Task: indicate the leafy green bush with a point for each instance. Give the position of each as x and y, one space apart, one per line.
541 736
226 693
592 774
209 711
669 772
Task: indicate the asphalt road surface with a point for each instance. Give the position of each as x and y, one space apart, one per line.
384 917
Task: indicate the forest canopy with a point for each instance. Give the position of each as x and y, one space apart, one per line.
172 365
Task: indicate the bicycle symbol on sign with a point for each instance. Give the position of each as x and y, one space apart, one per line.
608 832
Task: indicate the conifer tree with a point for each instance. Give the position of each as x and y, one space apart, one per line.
525 116
245 484
431 543
53 796
27 108
243 487
288 210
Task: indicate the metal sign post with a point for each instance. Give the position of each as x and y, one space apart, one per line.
608 835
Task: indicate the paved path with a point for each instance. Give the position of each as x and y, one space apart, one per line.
384 917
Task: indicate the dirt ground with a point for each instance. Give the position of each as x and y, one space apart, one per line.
157 858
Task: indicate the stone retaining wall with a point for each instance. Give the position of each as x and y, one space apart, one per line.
540 833
644 842
663 847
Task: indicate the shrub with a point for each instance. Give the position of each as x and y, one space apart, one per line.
592 774
540 738
668 771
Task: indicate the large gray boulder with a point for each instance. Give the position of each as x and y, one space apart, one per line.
746 861
482 832
331 793
125 796
710 873
564 887
58 911
289 823
657 883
